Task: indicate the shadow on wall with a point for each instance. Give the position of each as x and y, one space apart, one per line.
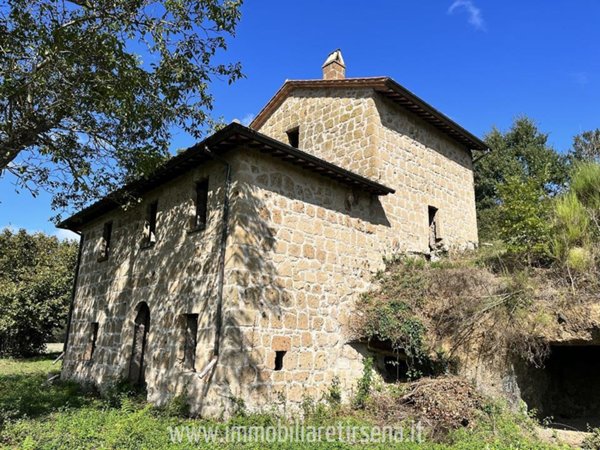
284 184
178 276
174 277
253 297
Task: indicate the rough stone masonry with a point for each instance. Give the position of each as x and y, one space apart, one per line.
235 275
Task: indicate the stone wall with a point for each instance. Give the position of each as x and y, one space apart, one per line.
300 249
175 276
426 168
338 125
363 132
297 255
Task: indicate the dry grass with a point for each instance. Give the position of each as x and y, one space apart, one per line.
465 304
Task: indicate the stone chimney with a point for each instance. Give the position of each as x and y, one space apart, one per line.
334 67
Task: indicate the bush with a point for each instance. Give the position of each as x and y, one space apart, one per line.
524 220
577 223
119 390
36 278
363 388
334 396
584 183
178 406
592 441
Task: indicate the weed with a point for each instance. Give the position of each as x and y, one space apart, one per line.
364 384
334 395
178 406
55 417
592 441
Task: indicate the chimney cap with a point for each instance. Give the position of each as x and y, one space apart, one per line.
335 56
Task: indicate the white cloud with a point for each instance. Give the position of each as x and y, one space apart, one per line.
475 16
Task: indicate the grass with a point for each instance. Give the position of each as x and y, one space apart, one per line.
62 415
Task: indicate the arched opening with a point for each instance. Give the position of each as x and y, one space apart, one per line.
138 350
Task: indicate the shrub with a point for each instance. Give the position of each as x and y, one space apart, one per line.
363 388
580 259
584 183
334 395
118 390
592 441
36 278
178 406
577 224
524 220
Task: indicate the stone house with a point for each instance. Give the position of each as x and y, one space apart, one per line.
234 275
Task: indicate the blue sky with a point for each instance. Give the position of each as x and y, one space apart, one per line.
482 63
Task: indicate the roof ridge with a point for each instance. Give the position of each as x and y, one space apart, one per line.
386 86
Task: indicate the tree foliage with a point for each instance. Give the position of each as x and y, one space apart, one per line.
586 147
577 223
36 277
90 91
524 219
522 153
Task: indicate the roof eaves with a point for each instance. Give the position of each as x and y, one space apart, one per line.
436 117
234 135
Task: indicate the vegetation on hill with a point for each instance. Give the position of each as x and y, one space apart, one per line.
36 279
522 172
537 281
502 298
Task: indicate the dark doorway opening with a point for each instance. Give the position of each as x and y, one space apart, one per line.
566 391
138 350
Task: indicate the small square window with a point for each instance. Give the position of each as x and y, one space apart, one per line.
279 359
294 137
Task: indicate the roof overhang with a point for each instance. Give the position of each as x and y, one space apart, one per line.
386 87
233 136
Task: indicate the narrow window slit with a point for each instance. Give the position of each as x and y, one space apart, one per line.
106 238
279 359
191 341
201 207
434 232
150 226
93 337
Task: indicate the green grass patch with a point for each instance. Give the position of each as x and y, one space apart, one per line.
38 415
26 393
